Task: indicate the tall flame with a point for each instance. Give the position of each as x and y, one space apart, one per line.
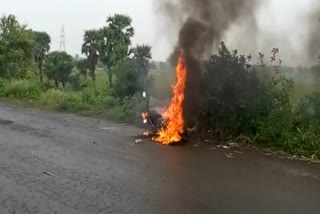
174 128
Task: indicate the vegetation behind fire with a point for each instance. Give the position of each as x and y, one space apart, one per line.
242 99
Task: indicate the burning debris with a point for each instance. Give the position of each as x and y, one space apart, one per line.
174 127
168 127
202 24
154 120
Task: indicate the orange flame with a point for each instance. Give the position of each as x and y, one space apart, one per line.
174 128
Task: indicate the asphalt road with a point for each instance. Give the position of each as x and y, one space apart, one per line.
65 164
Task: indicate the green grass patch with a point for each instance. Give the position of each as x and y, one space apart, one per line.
90 101
21 89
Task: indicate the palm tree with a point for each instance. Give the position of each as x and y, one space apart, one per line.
42 48
116 41
122 32
90 48
106 50
142 53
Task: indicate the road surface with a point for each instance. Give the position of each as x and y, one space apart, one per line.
62 163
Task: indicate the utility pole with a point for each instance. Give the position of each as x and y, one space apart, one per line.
62 40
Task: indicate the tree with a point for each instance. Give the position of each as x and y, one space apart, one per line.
116 41
83 66
16 45
42 47
229 91
92 41
59 67
128 79
142 55
106 49
132 73
121 32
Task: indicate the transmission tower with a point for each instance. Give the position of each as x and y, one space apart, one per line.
62 40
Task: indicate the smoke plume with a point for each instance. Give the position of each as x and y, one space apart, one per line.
251 26
314 32
202 24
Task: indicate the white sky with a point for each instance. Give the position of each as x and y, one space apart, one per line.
78 15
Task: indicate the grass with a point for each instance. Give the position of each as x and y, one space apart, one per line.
89 101
302 89
22 89
102 79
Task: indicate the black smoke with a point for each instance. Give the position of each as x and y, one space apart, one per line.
314 32
201 25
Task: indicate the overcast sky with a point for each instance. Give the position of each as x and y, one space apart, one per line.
78 15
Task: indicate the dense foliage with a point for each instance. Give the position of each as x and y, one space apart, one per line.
230 91
16 45
41 48
241 101
59 67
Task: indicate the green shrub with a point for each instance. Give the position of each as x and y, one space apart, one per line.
92 96
271 106
128 110
101 98
73 102
229 92
277 125
237 101
53 98
130 79
63 101
109 102
309 110
304 141
132 107
23 89
2 85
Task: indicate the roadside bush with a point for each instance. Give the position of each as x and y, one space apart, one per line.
74 81
128 110
272 108
238 101
302 141
23 89
281 126
2 85
53 98
98 97
63 100
73 102
129 79
91 96
309 110
229 92
109 102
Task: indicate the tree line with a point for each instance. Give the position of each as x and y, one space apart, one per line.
23 50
